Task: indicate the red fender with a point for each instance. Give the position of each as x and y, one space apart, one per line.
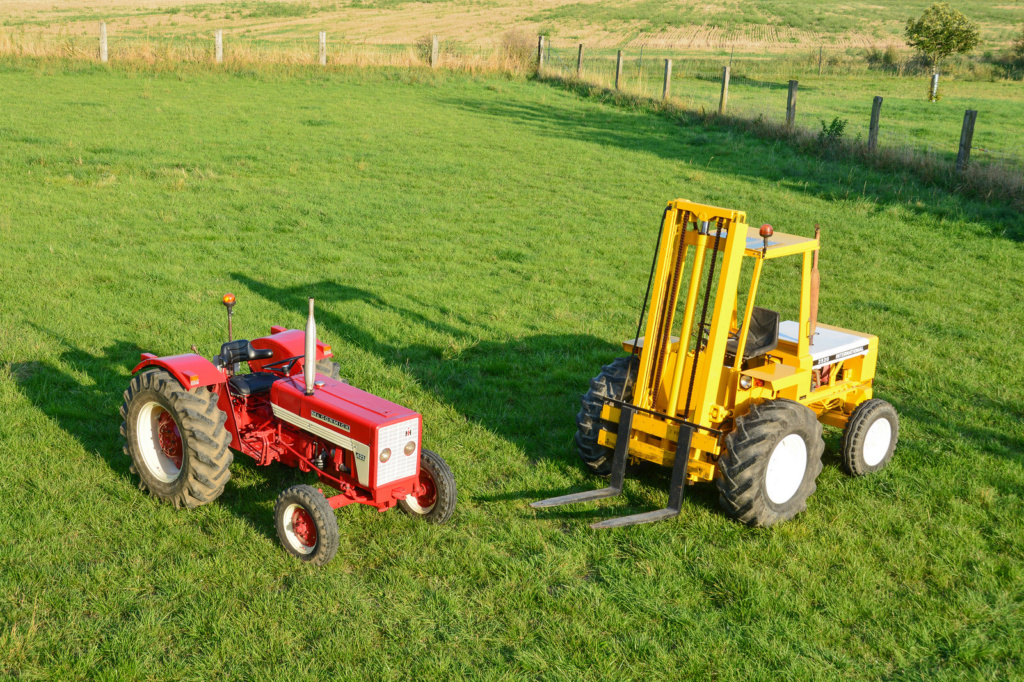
191 370
287 343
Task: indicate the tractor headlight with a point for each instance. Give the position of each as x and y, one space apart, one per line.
746 382
410 447
385 455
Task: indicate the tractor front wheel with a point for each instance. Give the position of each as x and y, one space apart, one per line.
330 369
870 437
306 524
176 439
436 503
771 463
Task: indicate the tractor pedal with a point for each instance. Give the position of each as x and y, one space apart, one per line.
618 469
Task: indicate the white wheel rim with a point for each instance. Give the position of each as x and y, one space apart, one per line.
786 468
147 436
289 530
877 441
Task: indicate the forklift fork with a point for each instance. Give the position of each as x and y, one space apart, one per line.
621 457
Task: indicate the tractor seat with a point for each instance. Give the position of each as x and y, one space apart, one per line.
248 384
241 350
762 337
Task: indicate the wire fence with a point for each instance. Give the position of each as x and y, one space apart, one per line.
758 89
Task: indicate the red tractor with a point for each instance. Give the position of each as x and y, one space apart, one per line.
183 416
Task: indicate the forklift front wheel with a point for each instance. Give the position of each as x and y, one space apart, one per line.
437 502
870 437
306 524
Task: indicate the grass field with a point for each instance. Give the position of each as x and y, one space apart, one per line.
761 88
667 24
477 248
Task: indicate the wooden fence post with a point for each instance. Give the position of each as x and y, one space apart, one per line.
724 100
579 62
218 46
668 79
820 49
933 92
876 112
102 42
618 70
434 51
323 48
791 105
540 53
966 136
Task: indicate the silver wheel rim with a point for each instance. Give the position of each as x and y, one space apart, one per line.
786 468
877 441
289 530
147 437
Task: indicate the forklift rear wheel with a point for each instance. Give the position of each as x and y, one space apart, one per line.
772 461
176 439
616 380
306 524
870 437
437 503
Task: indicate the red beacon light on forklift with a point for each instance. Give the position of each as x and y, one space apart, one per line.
184 414
766 232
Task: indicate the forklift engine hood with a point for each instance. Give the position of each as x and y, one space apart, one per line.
383 436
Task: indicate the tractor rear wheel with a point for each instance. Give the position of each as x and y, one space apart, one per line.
306 524
330 368
437 503
870 437
176 439
771 463
616 380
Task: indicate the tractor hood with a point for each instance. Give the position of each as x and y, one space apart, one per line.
353 420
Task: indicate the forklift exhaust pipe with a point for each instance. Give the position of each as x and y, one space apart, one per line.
309 365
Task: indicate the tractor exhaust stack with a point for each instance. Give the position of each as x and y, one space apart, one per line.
309 365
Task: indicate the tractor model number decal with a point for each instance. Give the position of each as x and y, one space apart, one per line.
842 355
361 456
330 420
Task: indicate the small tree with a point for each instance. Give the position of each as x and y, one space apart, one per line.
942 31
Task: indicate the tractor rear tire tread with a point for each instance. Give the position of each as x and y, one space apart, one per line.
749 446
866 414
317 506
616 380
206 465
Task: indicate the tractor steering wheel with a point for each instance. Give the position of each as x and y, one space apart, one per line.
283 367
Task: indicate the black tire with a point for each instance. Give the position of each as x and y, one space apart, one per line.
204 459
746 491
438 505
616 380
863 441
306 524
330 368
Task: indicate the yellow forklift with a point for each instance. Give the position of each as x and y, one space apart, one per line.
742 393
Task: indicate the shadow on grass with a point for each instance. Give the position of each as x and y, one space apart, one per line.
85 400
525 390
729 145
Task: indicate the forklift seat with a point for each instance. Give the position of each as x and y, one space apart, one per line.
762 337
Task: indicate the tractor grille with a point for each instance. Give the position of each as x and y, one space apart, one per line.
395 437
